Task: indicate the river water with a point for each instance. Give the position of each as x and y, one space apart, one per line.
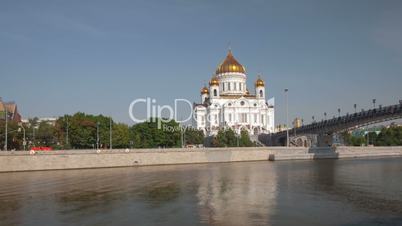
324 192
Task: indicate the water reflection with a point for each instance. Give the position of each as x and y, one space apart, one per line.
343 192
237 196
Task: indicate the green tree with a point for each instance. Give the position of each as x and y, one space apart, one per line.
245 139
194 136
156 133
225 138
45 135
121 136
14 135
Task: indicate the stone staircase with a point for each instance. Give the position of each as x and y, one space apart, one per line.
254 138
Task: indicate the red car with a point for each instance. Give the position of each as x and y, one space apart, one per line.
41 148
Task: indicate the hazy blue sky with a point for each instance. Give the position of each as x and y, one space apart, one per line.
60 57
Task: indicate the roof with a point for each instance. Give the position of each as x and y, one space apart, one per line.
11 106
230 64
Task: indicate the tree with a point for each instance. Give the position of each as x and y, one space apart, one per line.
14 135
225 138
45 134
245 139
121 136
156 133
391 136
194 136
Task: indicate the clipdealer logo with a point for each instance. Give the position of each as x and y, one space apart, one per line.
164 113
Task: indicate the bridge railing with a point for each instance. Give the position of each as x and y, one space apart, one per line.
352 120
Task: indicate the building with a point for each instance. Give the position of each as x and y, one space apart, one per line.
297 123
227 102
37 121
11 109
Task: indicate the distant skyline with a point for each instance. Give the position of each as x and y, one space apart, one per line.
61 57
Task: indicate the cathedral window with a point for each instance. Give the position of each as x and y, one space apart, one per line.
229 86
261 93
230 117
255 118
243 117
223 86
215 93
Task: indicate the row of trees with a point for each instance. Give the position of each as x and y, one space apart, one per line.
228 138
80 131
391 136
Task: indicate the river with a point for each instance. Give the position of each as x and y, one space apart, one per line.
322 192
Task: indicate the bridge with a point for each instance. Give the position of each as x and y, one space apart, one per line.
321 133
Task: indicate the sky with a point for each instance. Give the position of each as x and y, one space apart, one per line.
61 57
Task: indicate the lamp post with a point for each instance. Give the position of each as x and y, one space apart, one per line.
374 100
355 106
67 130
339 112
325 116
6 137
24 143
287 118
97 135
110 133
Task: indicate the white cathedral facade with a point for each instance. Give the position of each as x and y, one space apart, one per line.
227 103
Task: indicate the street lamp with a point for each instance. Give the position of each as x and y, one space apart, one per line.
325 115
24 142
339 112
355 106
67 131
374 103
6 137
287 118
110 133
97 135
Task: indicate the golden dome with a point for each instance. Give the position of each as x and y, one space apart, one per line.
214 81
204 90
230 64
259 82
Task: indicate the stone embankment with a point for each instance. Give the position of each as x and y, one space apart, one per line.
81 159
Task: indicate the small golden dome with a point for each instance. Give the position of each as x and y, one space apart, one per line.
259 82
214 81
230 64
204 90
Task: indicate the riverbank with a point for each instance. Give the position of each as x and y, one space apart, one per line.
82 159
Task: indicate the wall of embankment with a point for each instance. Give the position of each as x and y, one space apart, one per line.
80 159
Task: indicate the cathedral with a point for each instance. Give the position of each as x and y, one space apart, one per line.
227 102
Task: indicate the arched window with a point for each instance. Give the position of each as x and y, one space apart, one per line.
215 93
261 93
